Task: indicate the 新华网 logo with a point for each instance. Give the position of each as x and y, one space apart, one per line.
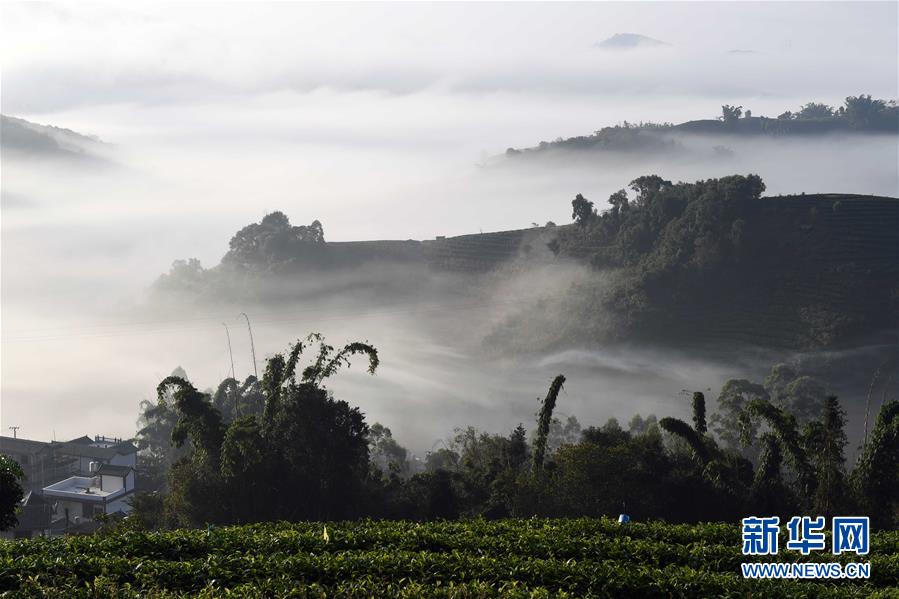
849 534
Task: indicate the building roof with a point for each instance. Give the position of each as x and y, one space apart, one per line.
19 445
82 488
88 451
91 451
125 448
82 440
81 446
114 470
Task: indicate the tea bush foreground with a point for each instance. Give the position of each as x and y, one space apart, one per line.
473 558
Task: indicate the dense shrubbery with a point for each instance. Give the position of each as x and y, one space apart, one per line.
475 558
284 435
283 448
714 260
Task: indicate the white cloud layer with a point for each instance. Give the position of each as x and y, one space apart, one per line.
370 118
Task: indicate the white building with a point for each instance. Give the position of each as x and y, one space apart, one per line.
72 482
81 498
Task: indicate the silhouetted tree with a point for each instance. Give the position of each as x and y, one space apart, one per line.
876 477
815 110
731 114
543 420
305 456
770 494
699 413
784 426
582 210
827 442
11 492
619 202
681 429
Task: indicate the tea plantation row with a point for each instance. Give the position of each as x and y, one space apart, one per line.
508 558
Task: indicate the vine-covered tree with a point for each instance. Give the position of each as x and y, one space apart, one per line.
770 493
876 476
303 455
543 421
784 427
699 422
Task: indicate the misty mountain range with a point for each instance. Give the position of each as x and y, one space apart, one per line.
860 115
21 138
628 41
812 269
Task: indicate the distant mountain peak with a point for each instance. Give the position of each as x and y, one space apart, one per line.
24 138
629 41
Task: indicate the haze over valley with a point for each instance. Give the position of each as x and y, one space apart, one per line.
388 124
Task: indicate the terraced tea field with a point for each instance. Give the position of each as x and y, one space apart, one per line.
507 558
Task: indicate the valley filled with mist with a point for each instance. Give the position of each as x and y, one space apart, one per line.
485 288
470 327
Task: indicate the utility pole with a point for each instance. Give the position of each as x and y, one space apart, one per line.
252 346
230 353
14 429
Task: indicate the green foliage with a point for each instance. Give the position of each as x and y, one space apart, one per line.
735 396
310 457
582 210
234 399
699 423
281 447
864 112
730 114
709 261
272 242
770 493
156 451
826 443
662 244
876 477
683 430
784 426
11 493
815 110
543 421
185 276
563 433
386 454
585 557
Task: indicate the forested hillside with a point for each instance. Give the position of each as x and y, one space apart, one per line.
715 261
859 114
711 261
